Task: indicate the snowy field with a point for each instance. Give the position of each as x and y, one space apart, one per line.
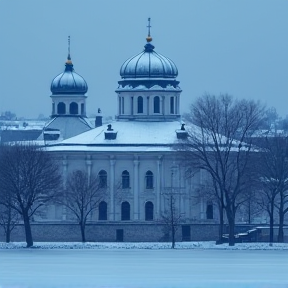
145 245
143 265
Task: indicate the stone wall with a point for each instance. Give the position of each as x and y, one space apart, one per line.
132 232
67 232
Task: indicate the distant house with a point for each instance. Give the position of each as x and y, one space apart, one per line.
17 135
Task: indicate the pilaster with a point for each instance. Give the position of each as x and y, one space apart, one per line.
158 186
136 187
112 188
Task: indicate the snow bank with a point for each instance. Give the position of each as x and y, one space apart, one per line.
145 245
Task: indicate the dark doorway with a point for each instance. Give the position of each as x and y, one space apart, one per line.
186 233
119 235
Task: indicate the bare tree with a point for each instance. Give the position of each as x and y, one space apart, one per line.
8 220
210 193
29 177
274 177
220 144
251 207
267 202
171 218
82 196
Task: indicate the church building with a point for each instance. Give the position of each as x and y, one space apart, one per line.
132 155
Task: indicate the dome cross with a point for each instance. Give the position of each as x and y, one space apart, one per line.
149 26
149 38
69 57
69 64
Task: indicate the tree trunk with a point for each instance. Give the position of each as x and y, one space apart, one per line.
82 227
271 225
8 233
28 232
172 210
271 234
231 231
281 224
249 211
173 236
221 225
280 237
7 236
8 228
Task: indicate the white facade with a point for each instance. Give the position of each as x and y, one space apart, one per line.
135 152
141 149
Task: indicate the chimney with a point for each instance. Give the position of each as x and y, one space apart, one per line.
110 134
98 119
182 133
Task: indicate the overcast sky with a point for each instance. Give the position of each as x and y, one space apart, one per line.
238 47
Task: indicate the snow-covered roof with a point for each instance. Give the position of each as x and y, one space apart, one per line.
69 126
139 136
133 136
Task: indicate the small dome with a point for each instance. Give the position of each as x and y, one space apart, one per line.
148 64
68 82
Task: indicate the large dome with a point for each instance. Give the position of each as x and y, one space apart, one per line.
148 64
68 82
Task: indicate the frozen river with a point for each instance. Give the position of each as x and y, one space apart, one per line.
32 268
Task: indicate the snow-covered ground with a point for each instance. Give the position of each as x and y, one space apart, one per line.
146 245
143 265
142 268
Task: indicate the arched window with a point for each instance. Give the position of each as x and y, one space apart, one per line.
149 211
209 210
125 211
73 108
140 104
149 180
61 108
125 180
102 179
102 210
82 109
157 104
172 105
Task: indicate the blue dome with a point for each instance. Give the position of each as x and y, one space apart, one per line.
68 82
148 64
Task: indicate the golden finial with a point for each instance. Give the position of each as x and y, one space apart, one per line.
149 38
